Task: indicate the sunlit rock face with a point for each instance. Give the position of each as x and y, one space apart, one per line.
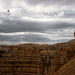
35 59
21 59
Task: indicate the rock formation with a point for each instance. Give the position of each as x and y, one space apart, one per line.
34 59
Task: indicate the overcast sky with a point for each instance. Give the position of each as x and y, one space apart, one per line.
36 21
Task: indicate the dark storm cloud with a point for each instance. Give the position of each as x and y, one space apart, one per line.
19 26
61 25
51 2
30 26
33 38
26 38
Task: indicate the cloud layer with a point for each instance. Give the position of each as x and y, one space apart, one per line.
41 21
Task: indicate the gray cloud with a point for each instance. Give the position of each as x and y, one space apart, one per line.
61 25
19 26
32 38
53 24
51 2
6 3
26 38
30 26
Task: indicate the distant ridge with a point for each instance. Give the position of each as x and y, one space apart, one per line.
73 40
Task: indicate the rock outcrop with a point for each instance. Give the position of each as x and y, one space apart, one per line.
34 59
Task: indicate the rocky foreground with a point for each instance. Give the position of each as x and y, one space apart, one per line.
35 59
